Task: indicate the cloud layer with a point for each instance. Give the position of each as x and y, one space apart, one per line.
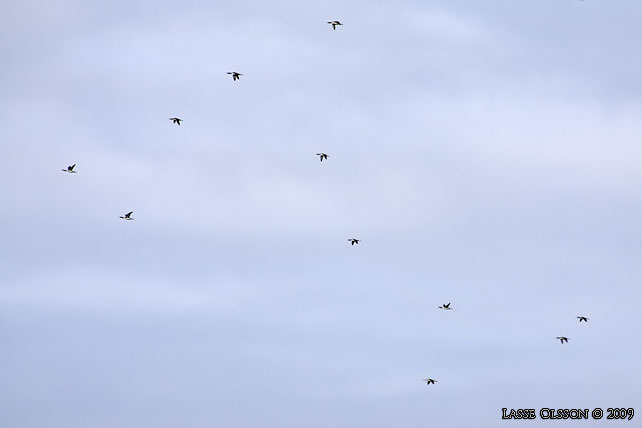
485 152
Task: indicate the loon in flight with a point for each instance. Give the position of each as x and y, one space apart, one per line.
446 306
127 216
334 24
176 120
235 76
70 169
322 156
562 339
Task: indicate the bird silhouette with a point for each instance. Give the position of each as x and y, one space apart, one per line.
334 24
70 169
322 156
429 381
562 339
176 120
235 76
354 241
127 216
583 319
446 306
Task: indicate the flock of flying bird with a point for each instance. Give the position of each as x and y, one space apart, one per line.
237 76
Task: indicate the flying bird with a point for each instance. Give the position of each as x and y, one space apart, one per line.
70 169
176 120
562 339
446 306
583 319
354 241
334 24
127 216
429 381
235 76
322 156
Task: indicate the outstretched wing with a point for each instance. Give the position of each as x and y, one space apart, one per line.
129 214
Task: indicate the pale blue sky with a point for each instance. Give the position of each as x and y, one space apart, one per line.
487 152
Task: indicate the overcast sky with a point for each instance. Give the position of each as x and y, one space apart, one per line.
487 152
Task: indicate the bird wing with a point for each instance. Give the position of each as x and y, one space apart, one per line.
71 168
129 214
